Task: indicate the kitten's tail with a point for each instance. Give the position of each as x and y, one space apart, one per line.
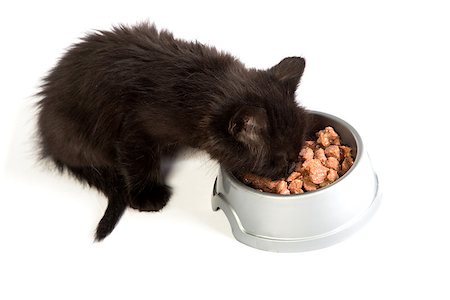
107 181
114 211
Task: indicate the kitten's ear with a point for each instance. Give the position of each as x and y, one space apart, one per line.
289 71
248 125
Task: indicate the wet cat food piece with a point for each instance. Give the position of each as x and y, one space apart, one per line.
309 186
306 153
320 155
282 188
315 170
332 163
310 144
295 187
346 164
294 175
333 151
346 151
259 182
327 137
332 175
320 163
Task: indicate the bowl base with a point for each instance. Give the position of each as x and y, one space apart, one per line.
294 244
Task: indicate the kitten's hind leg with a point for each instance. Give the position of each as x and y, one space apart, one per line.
151 198
140 160
108 181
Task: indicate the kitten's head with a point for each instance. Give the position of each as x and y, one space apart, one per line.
267 128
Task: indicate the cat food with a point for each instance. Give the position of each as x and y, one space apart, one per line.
320 163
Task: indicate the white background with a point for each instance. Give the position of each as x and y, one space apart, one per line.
383 66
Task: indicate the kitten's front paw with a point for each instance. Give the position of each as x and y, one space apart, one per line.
152 198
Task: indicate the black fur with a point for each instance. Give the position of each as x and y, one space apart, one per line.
119 100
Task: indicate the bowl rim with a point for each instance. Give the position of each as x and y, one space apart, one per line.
306 195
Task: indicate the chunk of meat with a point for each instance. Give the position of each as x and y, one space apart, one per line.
346 151
317 172
320 155
346 164
325 183
285 192
306 153
294 175
332 175
333 151
295 187
310 144
281 187
332 163
309 186
336 141
259 182
327 136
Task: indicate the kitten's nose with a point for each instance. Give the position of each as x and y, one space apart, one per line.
291 168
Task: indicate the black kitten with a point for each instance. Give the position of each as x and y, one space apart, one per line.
120 99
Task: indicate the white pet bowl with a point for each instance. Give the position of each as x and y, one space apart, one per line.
293 223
